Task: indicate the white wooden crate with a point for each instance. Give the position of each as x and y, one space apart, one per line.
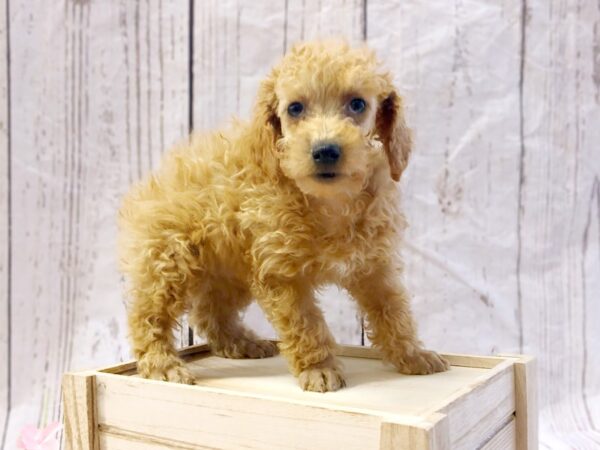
481 403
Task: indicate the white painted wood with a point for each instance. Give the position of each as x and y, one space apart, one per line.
505 439
99 91
560 210
456 64
4 224
313 19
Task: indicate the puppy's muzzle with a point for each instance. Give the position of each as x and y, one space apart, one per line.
326 157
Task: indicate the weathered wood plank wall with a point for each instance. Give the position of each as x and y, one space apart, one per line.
458 67
4 225
99 90
502 194
559 206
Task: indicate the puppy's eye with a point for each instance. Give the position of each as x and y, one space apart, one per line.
357 105
295 109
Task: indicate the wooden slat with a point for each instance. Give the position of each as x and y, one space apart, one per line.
128 366
114 439
5 318
353 351
101 90
505 439
457 67
475 411
215 419
526 410
312 19
79 401
559 201
484 362
430 434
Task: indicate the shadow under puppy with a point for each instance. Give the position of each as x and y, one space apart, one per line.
301 196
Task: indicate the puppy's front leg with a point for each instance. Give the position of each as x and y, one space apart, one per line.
305 338
391 328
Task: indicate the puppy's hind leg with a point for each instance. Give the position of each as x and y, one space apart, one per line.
216 315
159 294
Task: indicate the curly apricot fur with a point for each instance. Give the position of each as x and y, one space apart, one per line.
240 214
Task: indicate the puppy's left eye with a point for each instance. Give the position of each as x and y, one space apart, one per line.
295 109
357 105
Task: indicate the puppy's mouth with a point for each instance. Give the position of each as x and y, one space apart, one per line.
327 176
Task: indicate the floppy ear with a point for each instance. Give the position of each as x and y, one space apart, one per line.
266 108
394 134
266 125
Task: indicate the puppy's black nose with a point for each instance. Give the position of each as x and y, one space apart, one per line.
326 153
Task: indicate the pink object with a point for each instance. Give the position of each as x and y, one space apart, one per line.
32 438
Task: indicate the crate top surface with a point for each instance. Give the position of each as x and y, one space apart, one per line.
372 386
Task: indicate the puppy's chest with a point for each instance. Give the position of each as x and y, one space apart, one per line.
338 256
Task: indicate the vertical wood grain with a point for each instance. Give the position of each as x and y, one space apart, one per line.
79 400
5 157
101 90
526 401
456 65
505 439
433 433
310 19
526 407
235 45
559 212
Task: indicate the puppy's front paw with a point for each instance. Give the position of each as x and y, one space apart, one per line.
421 362
169 368
321 379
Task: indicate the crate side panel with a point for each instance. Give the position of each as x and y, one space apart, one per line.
110 441
479 412
505 439
190 414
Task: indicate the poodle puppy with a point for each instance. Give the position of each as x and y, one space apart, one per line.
301 196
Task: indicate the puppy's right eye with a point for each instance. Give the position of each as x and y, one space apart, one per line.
295 109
